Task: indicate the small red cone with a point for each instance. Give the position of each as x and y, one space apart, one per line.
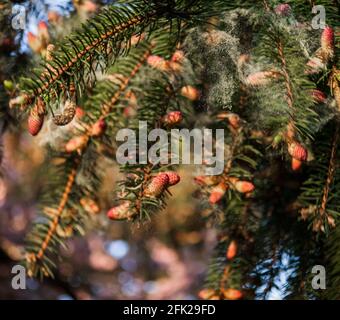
232 294
43 34
233 118
98 128
190 93
89 6
297 151
178 56
327 41
36 117
174 177
296 164
158 63
157 185
205 294
80 112
283 9
261 78
217 192
34 42
232 250
120 212
318 96
172 118
244 186
35 123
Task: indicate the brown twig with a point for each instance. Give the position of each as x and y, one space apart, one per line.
62 204
330 174
289 91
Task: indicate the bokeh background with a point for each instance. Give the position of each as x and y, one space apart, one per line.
165 258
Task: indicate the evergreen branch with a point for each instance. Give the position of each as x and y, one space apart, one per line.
33 258
330 173
146 180
64 198
107 107
334 85
281 46
332 249
224 279
104 38
92 43
286 75
262 224
319 197
229 163
135 195
228 273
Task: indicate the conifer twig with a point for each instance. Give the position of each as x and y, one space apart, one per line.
31 257
288 84
61 206
330 173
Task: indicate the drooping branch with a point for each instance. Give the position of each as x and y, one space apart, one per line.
330 173
289 90
34 258
109 27
61 206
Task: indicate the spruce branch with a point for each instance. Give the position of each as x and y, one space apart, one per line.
330 173
108 25
43 237
332 249
107 107
102 39
54 223
319 197
145 188
290 98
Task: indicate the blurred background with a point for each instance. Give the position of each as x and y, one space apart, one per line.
165 258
